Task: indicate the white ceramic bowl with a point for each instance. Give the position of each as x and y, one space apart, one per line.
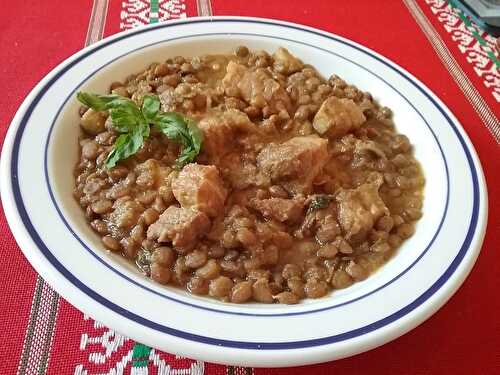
40 152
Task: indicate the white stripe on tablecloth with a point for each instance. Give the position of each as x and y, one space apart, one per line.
38 338
97 21
204 7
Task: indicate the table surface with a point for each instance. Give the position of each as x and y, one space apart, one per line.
42 333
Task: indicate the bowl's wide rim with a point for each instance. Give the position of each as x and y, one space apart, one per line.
75 296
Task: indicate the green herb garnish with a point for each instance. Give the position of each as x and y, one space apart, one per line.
183 131
143 261
319 202
133 124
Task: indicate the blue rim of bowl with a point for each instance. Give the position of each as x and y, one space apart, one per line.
242 344
109 266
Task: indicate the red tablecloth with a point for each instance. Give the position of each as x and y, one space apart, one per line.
42 333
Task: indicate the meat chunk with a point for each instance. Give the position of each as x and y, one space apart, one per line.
147 173
254 85
234 75
242 173
125 213
221 130
181 226
337 117
359 209
284 210
200 187
285 62
294 163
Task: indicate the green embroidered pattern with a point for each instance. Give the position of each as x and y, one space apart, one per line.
154 12
140 355
474 32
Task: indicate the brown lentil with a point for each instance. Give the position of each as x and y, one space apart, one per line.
111 243
197 285
209 271
196 259
261 291
315 288
220 287
241 292
296 286
163 255
341 279
287 298
160 274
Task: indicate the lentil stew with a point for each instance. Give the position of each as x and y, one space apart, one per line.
302 186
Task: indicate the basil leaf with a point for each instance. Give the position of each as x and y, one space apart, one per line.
192 149
182 131
166 118
144 129
150 107
104 102
196 136
175 131
126 145
124 119
134 125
